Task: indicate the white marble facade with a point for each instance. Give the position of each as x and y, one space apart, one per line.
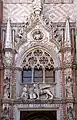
36 33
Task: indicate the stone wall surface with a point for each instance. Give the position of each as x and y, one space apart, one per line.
55 12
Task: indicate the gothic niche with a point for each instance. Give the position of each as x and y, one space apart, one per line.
7 88
37 35
70 115
5 112
38 74
69 87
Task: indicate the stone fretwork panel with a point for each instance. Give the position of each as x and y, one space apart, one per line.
57 13
14 11
46 1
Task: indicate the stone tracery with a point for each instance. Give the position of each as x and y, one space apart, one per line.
38 57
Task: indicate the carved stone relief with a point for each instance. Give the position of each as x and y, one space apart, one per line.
8 59
68 72
68 57
37 35
37 91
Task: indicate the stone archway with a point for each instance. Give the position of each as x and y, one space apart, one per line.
38 115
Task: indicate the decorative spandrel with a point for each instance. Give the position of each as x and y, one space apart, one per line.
37 91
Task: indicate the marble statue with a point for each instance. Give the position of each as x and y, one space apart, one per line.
70 114
69 91
48 93
36 92
24 94
32 93
6 114
7 88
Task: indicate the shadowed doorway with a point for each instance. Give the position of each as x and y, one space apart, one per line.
38 115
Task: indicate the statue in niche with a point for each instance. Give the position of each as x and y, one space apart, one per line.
6 114
70 114
69 89
67 57
7 88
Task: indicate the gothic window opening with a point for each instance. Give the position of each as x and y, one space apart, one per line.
38 67
38 74
49 75
26 75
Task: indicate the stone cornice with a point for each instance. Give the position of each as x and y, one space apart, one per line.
60 24
54 101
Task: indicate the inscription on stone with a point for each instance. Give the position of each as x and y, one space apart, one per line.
37 106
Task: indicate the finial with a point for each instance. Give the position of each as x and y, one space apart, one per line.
37 7
67 32
8 41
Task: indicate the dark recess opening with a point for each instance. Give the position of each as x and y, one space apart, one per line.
38 115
